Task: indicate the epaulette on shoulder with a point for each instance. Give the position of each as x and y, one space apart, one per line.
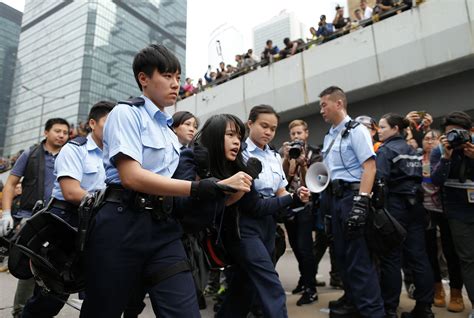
272 148
351 124
136 101
78 141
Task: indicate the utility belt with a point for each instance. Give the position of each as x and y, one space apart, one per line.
160 207
62 205
338 186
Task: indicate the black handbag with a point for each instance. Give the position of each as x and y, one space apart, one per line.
383 232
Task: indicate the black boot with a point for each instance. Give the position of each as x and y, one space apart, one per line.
421 310
333 304
345 311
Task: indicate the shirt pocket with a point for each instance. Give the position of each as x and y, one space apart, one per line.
91 168
153 152
277 176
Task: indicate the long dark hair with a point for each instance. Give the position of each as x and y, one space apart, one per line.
212 136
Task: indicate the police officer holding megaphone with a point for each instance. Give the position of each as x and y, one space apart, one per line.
349 156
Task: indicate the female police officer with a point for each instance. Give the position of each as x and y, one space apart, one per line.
133 237
400 167
262 123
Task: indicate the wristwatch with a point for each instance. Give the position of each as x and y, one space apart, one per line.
365 194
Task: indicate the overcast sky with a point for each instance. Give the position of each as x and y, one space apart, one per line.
205 15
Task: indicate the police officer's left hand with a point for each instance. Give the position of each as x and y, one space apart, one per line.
355 224
303 194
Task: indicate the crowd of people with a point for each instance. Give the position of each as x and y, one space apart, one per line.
325 31
228 189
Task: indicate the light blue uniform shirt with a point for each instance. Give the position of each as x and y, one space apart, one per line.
272 176
143 134
83 163
354 149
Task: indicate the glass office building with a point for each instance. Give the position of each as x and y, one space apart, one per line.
10 25
73 53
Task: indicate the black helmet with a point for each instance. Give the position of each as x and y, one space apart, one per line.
50 244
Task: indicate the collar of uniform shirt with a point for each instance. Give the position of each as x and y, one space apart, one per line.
339 127
156 113
251 146
91 145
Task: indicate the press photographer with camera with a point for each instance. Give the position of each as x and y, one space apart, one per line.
298 155
453 170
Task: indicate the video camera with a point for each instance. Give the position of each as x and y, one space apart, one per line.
296 146
457 137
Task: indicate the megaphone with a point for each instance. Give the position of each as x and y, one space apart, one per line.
317 177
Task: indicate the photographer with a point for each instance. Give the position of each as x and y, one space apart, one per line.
297 157
453 170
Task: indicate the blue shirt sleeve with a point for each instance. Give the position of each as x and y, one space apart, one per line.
20 164
122 133
69 163
362 143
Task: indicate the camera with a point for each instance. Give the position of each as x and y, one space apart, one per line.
458 137
296 147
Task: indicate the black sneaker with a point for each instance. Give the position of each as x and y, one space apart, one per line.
308 297
298 289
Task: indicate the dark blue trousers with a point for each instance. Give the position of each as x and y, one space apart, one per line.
126 245
42 305
361 284
300 236
253 276
413 219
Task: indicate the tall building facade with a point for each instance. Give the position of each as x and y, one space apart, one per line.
276 29
75 53
10 26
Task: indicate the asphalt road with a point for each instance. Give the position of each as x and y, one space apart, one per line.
287 268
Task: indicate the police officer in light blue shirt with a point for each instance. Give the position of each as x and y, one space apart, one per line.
349 156
135 237
78 170
272 178
271 182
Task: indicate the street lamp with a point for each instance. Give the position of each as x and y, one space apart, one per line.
43 100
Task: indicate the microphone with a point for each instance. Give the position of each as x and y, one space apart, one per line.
254 167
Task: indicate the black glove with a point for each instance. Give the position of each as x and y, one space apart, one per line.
355 224
207 189
201 157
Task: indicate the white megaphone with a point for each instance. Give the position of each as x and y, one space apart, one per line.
317 177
